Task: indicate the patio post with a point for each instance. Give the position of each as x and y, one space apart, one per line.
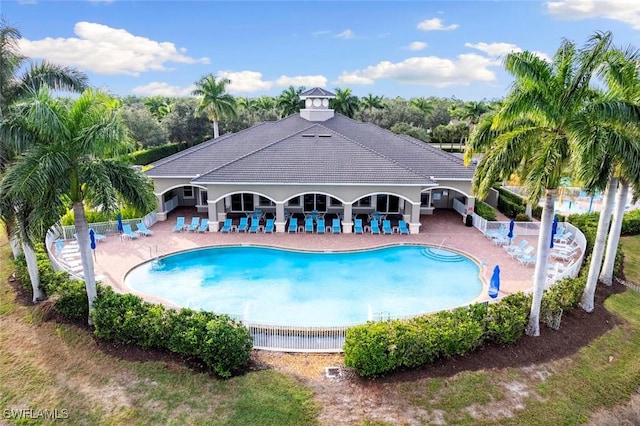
212 206
414 224
161 214
281 221
347 221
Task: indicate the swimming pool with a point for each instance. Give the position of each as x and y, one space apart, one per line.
285 287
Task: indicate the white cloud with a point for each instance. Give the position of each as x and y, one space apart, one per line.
426 70
495 49
627 11
435 24
157 88
105 50
245 81
301 80
417 45
346 34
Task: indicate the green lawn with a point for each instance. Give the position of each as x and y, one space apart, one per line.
631 248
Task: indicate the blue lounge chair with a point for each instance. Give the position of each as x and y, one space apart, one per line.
308 224
128 233
255 224
515 247
293 225
143 230
268 228
227 225
335 226
357 227
402 227
96 236
386 227
204 225
527 260
243 225
375 226
320 225
179 224
195 222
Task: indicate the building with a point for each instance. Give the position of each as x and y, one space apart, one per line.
315 160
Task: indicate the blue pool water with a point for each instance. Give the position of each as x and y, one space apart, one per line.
273 286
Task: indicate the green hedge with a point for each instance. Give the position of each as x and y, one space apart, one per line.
510 204
484 210
219 342
147 156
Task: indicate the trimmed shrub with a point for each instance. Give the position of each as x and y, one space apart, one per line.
507 319
631 223
484 210
71 300
523 217
376 348
146 156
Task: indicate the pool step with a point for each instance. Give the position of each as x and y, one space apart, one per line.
442 255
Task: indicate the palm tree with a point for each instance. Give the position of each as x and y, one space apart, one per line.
370 102
74 160
423 104
289 101
16 83
215 103
544 116
618 162
345 102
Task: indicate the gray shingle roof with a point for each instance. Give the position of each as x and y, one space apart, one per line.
316 92
294 150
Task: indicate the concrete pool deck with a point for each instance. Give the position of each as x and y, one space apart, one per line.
115 256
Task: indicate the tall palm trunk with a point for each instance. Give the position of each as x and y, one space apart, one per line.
540 273
34 274
606 276
588 295
215 129
85 252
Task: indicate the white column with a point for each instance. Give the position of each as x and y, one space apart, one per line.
280 222
414 224
213 216
222 213
347 222
471 203
162 215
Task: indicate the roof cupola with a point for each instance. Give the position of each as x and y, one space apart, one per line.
316 104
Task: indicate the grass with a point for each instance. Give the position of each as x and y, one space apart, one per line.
631 249
47 365
58 366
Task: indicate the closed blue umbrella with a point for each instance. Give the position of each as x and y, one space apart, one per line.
511 225
119 217
92 240
494 284
554 229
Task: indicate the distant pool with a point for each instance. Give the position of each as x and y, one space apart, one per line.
286 287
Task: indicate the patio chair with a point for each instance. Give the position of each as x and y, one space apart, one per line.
268 228
204 225
564 237
293 224
527 260
227 225
308 224
320 225
335 226
179 224
128 233
255 224
565 255
524 252
386 227
515 247
243 225
375 226
500 241
357 227
195 222
96 236
143 230
502 230
402 227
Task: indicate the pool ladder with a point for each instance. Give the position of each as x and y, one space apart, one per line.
151 253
